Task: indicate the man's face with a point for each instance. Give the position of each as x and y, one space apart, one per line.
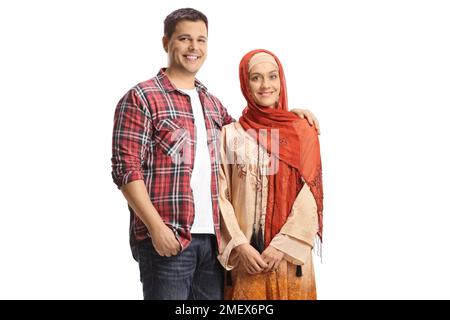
187 48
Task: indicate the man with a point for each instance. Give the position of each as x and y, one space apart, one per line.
164 151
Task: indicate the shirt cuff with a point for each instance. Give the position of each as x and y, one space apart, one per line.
224 257
295 251
121 180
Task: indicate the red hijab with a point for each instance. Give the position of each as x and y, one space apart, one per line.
298 152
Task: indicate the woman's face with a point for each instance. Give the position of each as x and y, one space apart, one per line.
264 82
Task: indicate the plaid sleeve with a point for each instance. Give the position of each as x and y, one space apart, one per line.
131 134
226 118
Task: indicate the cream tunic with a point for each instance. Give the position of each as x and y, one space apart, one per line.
243 190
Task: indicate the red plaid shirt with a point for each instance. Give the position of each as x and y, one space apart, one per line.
154 141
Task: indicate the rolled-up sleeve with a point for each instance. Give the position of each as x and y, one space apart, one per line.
131 134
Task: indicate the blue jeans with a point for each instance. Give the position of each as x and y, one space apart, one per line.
193 274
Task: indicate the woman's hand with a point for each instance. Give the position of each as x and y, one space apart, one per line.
272 257
250 259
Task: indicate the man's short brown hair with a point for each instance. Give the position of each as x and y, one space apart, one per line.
179 15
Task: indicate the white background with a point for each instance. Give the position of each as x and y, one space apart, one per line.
376 74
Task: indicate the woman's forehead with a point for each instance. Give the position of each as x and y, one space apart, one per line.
263 67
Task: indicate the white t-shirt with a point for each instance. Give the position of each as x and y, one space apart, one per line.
201 174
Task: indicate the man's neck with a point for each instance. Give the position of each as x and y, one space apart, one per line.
181 80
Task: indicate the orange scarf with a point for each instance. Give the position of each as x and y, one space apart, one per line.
298 152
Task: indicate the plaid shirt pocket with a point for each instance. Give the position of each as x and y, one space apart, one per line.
171 136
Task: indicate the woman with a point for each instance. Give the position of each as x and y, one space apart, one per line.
270 190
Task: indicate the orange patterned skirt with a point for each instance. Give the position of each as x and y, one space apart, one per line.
282 284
